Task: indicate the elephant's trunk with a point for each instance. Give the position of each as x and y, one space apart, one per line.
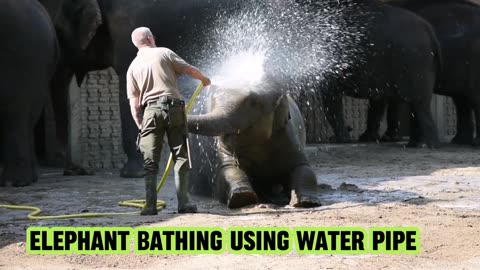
215 123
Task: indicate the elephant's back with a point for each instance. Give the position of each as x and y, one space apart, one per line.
403 27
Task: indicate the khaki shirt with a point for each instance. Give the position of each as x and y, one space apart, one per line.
153 73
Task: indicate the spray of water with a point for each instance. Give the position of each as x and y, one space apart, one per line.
298 44
291 41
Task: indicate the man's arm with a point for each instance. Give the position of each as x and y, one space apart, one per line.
182 67
136 110
133 95
196 74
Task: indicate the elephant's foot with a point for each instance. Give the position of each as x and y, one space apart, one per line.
303 200
187 208
391 136
463 139
19 176
241 196
74 170
421 144
476 142
369 136
150 211
132 169
342 136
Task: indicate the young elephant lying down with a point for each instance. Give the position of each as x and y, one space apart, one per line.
259 143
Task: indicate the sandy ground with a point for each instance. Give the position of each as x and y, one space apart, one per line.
435 190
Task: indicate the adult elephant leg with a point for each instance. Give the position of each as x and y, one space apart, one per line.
303 186
376 110
425 131
476 110
59 93
393 121
334 112
415 133
465 127
20 167
133 168
233 184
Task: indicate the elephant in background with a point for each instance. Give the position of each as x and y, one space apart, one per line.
258 146
395 111
457 26
400 63
29 54
95 34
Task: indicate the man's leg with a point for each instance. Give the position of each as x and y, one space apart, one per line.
177 140
151 140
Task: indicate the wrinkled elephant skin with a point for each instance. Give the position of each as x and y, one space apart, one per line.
258 147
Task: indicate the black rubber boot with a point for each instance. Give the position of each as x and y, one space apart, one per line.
150 207
181 183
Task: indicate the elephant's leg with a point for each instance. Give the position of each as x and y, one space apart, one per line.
474 85
424 131
465 127
134 166
334 112
476 110
376 109
303 185
415 133
60 100
59 96
393 122
20 166
233 184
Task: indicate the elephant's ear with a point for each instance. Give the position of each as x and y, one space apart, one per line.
88 19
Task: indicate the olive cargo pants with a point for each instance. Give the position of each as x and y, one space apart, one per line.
158 119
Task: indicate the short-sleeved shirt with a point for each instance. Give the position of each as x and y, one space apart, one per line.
153 73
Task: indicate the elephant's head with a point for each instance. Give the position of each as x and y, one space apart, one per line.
260 110
82 34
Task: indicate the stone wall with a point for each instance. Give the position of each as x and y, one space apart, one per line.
100 127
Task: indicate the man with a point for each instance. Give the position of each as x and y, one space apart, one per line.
152 90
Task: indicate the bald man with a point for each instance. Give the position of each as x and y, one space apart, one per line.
154 97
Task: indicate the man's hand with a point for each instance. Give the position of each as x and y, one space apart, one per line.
206 81
136 110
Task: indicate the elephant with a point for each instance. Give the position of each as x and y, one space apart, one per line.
400 62
456 24
377 108
250 141
29 54
95 34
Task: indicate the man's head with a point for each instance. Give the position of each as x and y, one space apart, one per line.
143 37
